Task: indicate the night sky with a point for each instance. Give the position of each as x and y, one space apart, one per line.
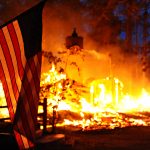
11 8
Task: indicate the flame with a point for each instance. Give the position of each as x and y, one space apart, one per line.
105 105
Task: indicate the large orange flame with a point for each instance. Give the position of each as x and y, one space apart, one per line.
106 105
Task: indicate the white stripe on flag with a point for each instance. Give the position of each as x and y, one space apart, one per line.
21 44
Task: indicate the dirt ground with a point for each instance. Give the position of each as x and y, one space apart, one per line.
128 138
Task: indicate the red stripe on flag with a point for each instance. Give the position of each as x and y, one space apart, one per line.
26 86
38 71
17 50
27 95
22 125
26 124
35 74
28 90
9 62
36 80
19 139
20 73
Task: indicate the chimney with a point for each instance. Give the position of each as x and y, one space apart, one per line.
74 40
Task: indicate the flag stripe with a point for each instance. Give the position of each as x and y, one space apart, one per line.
28 90
23 141
9 58
20 66
37 61
19 139
20 54
9 40
17 50
34 72
28 95
29 75
23 113
13 39
28 113
6 70
16 45
35 80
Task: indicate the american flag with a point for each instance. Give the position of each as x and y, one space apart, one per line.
20 68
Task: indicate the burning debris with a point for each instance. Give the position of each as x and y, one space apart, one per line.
100 104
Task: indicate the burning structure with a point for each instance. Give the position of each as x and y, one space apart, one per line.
89 90
74 40
101 103
104 104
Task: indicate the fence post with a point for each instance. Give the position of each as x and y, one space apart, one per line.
45 116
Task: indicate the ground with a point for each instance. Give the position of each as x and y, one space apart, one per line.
128 138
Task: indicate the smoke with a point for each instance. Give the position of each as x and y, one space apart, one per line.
59 19
100 61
